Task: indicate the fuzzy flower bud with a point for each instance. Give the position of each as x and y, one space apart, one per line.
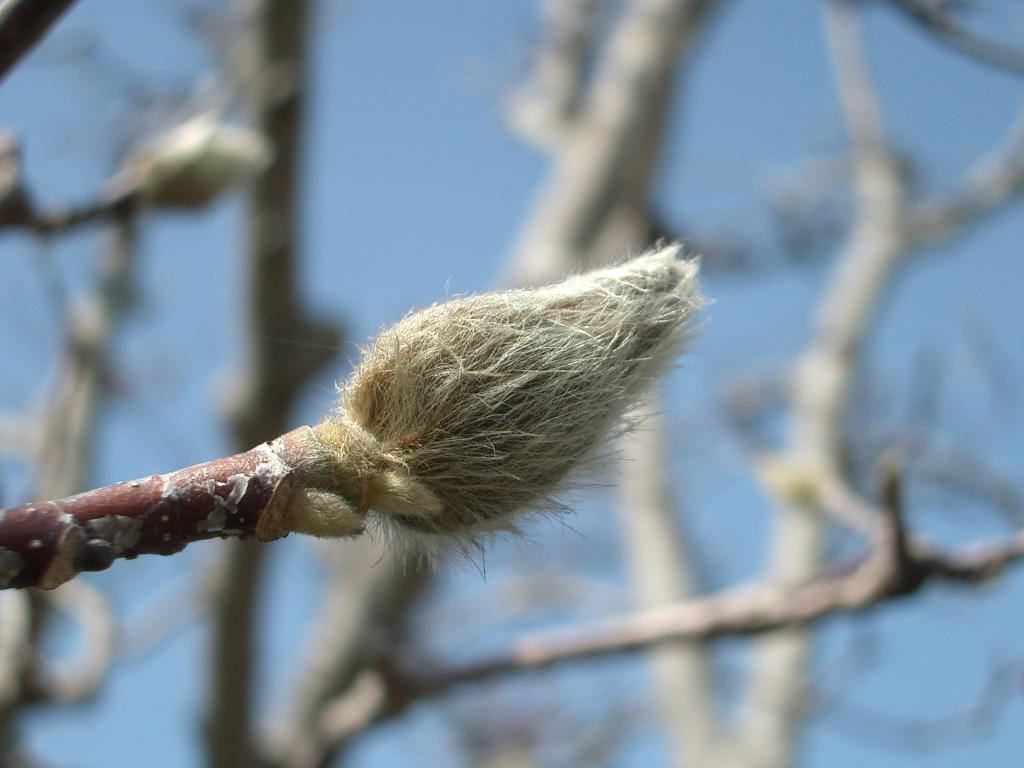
465 413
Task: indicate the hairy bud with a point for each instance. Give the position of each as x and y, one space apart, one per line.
195 162
468 412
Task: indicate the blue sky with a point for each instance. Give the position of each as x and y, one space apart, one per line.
414 189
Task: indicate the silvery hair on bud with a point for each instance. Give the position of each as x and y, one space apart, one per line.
470 411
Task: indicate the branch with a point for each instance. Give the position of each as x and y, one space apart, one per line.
22 25
605 163
115 206
661 566
66 435
943 26
542 108
821 386
337 719
366 594
82 675
969 723
963 473
46 543
186 167
15 634
897 565
878 577
994 181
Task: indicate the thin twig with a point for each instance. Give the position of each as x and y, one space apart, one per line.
969 476
81 676
113 206
971 722
367 592
340 718
944 27
994 181
876 577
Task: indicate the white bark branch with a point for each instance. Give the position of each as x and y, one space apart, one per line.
608 157
821 386
659 559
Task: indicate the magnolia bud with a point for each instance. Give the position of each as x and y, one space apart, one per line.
466 413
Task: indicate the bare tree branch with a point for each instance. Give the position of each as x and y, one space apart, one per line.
959 470
543 107
64 445
845 310
340 718
996 180
22 25
79 678
603 132
185 167
972 722
942 25
821 387
366 594
607 162
882 575
58 220
233 601
658 552
15 638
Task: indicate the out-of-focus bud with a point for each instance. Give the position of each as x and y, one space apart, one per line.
193 163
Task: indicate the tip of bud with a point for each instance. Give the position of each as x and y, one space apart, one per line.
464 415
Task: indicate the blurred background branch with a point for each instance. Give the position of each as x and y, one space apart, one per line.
938 19
271 375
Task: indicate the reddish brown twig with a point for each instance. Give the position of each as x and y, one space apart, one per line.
44 544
